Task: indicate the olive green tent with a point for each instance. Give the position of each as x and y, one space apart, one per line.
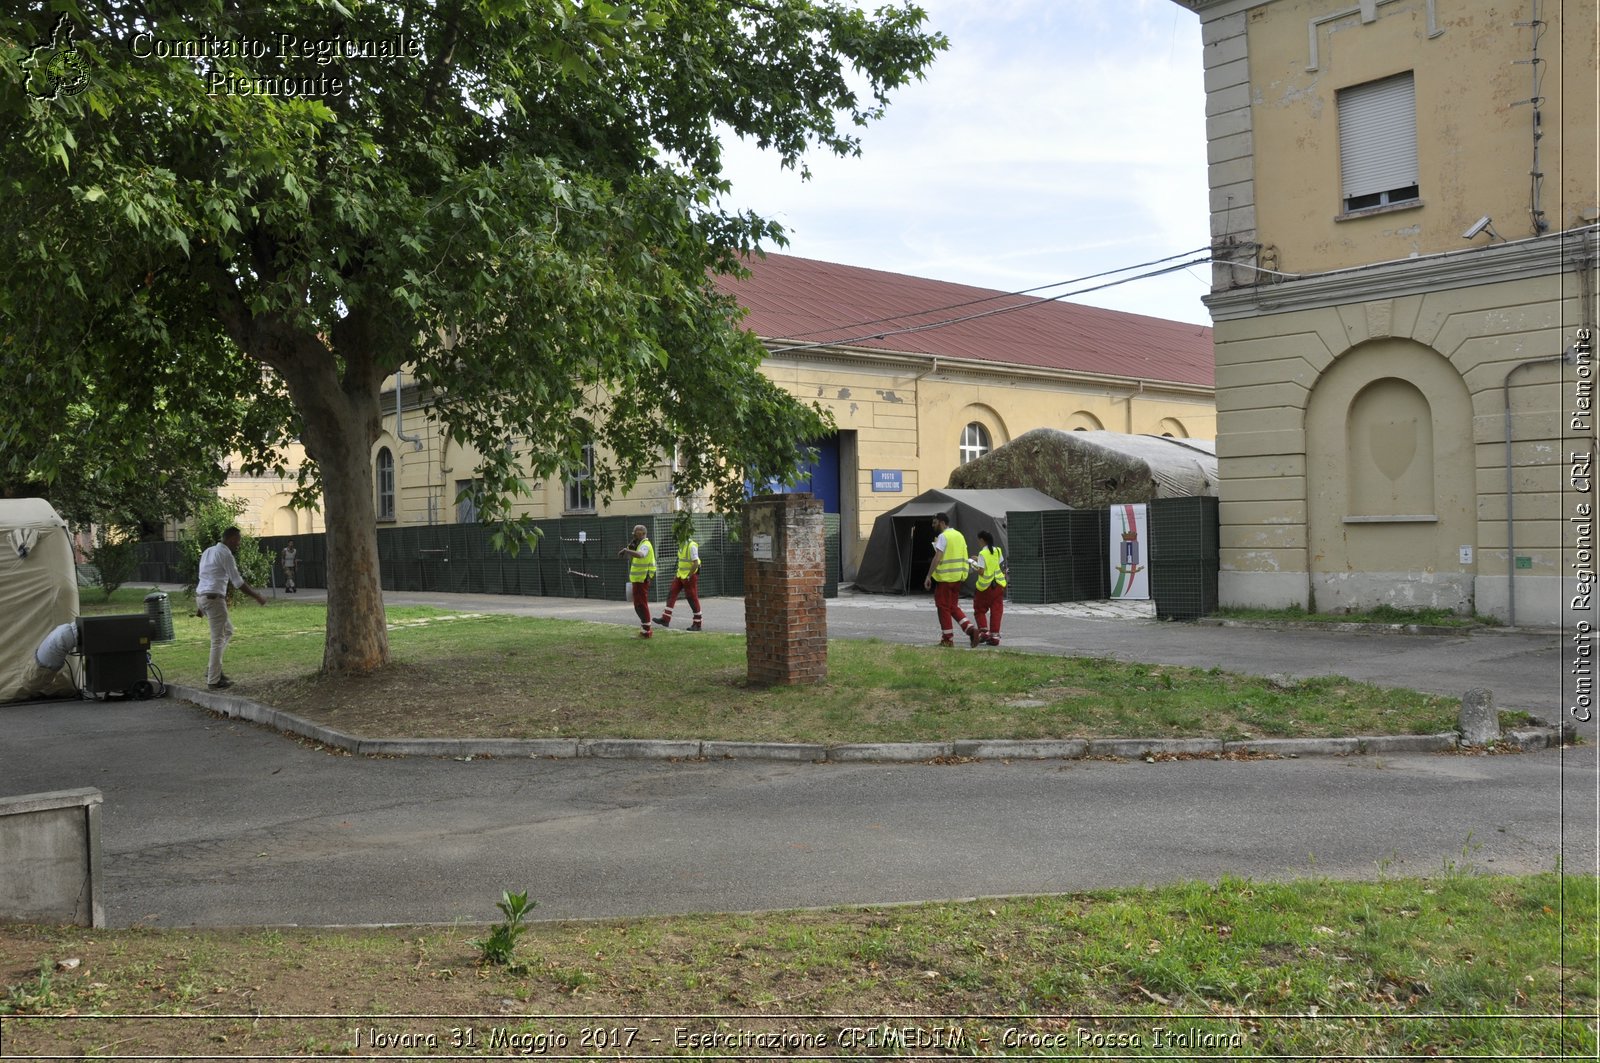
901 545
1088 470
38 593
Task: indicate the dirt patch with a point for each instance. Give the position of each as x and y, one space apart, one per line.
440 699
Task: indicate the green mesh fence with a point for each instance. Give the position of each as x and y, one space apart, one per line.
1184 590
575 557
1183 529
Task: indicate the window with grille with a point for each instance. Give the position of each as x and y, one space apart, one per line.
1378 143
580 483
385 481
974 442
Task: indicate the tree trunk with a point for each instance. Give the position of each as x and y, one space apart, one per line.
339 431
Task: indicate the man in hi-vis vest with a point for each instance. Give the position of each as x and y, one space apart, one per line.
641 570
945 577
989 596
687 580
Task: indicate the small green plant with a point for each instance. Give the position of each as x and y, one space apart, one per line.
501 943
36 996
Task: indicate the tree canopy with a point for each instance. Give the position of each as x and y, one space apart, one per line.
241 219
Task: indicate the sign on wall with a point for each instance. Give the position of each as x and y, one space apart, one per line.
1130 569
887 480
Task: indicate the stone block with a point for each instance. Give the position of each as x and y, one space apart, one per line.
51 870
1479 721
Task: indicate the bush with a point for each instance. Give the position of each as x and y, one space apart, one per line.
214 517
115 558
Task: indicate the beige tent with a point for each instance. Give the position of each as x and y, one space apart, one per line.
38 593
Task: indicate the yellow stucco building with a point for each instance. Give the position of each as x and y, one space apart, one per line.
268 498
1403 214
911 402
913 390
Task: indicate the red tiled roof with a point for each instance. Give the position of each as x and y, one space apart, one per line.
807 301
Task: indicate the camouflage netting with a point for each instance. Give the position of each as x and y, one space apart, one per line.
1091 469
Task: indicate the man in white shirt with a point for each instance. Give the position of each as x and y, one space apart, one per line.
219 570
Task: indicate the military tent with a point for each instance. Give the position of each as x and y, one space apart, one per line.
38 593
1088 470
901 545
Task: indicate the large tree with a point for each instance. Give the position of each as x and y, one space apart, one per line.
520 201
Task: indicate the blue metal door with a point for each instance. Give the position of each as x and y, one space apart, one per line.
822 475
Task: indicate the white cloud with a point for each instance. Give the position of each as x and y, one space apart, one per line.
1054 139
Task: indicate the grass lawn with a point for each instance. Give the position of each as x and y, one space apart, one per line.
1383 614
1450 966
498 676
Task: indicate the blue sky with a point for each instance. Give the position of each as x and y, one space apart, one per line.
1053 140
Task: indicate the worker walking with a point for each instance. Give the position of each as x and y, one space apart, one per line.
989 597
945 576
641 570
290 560
687 580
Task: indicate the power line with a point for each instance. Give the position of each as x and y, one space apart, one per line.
945 323
991 298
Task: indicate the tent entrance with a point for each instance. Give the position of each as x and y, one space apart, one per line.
913 539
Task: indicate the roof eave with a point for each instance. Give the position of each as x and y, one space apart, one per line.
936 361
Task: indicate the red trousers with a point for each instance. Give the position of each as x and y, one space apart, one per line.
989 605
690 586
641 602
947 599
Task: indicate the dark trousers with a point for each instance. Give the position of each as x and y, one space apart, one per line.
641 602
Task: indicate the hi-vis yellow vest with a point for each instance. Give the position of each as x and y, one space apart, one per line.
642 568
685 562
991 568
953 568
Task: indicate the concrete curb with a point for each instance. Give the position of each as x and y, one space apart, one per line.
1344 627
239 708
797 751
1133 748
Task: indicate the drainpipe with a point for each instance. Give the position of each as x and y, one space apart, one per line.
1511 558
399 422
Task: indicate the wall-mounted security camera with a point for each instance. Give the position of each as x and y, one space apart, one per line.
1476 228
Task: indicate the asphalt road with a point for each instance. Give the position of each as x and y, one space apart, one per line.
213 822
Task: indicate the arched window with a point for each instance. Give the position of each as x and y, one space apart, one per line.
1083 421
385 480
974 442
580 483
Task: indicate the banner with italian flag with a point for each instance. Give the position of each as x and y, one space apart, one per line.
1130 569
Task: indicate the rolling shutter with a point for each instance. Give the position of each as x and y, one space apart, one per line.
1378 136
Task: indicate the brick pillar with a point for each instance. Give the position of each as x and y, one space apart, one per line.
786 621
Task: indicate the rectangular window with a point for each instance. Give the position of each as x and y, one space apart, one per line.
1378 143
580 484
466 508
